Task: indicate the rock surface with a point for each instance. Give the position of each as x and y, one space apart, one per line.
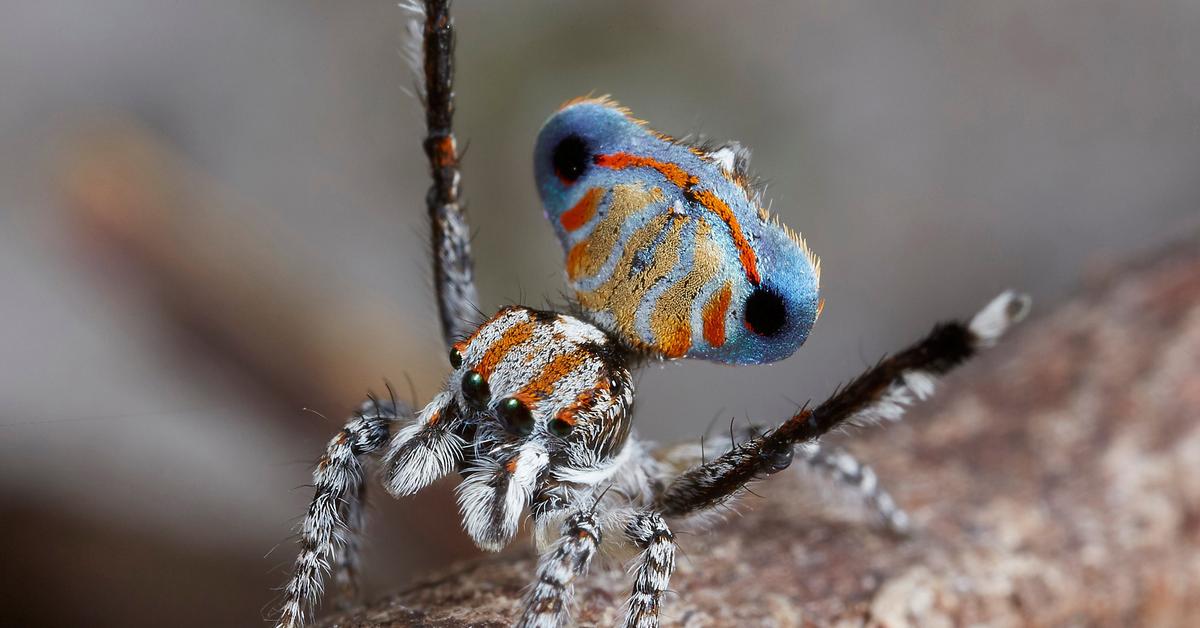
1054 482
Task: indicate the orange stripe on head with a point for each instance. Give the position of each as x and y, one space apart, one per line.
461 346
583 211
557 368
583 401
518 334
714 316
567 415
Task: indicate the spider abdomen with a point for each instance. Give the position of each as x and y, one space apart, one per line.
666 245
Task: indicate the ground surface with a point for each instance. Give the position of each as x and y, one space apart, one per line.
1055 482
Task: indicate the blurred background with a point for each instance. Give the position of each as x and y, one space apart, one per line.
211 220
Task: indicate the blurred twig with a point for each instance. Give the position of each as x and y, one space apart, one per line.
217 275
214 277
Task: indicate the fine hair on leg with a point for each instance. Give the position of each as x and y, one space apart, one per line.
652 576
852 476
331 525
881 393
453 265
547 604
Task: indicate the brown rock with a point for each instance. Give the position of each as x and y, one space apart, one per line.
1054 482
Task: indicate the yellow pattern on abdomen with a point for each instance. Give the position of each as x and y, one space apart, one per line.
623 292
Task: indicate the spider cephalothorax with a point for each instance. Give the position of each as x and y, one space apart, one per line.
535 398
668 254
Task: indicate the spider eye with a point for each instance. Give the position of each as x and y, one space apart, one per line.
475 389
516 416
765 312
560 428
455 359
570 158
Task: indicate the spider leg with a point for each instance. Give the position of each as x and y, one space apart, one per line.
453 268
346 557
649 531
847 473
328 534
881 393
548 601
858 478
424 450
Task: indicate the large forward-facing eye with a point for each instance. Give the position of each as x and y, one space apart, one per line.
765 314
516 416
570 158
560 427
475 389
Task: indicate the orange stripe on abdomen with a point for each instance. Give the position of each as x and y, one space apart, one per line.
687 183
671 318
584 400
576 258
714 316
587 257
622 293
745 251
583 211
673 173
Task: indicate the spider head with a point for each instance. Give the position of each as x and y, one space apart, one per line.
546 398
668 246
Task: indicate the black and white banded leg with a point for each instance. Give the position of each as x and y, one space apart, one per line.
548 601
328 535
847 475
881 393
453 266
857 478
648 531
346 558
